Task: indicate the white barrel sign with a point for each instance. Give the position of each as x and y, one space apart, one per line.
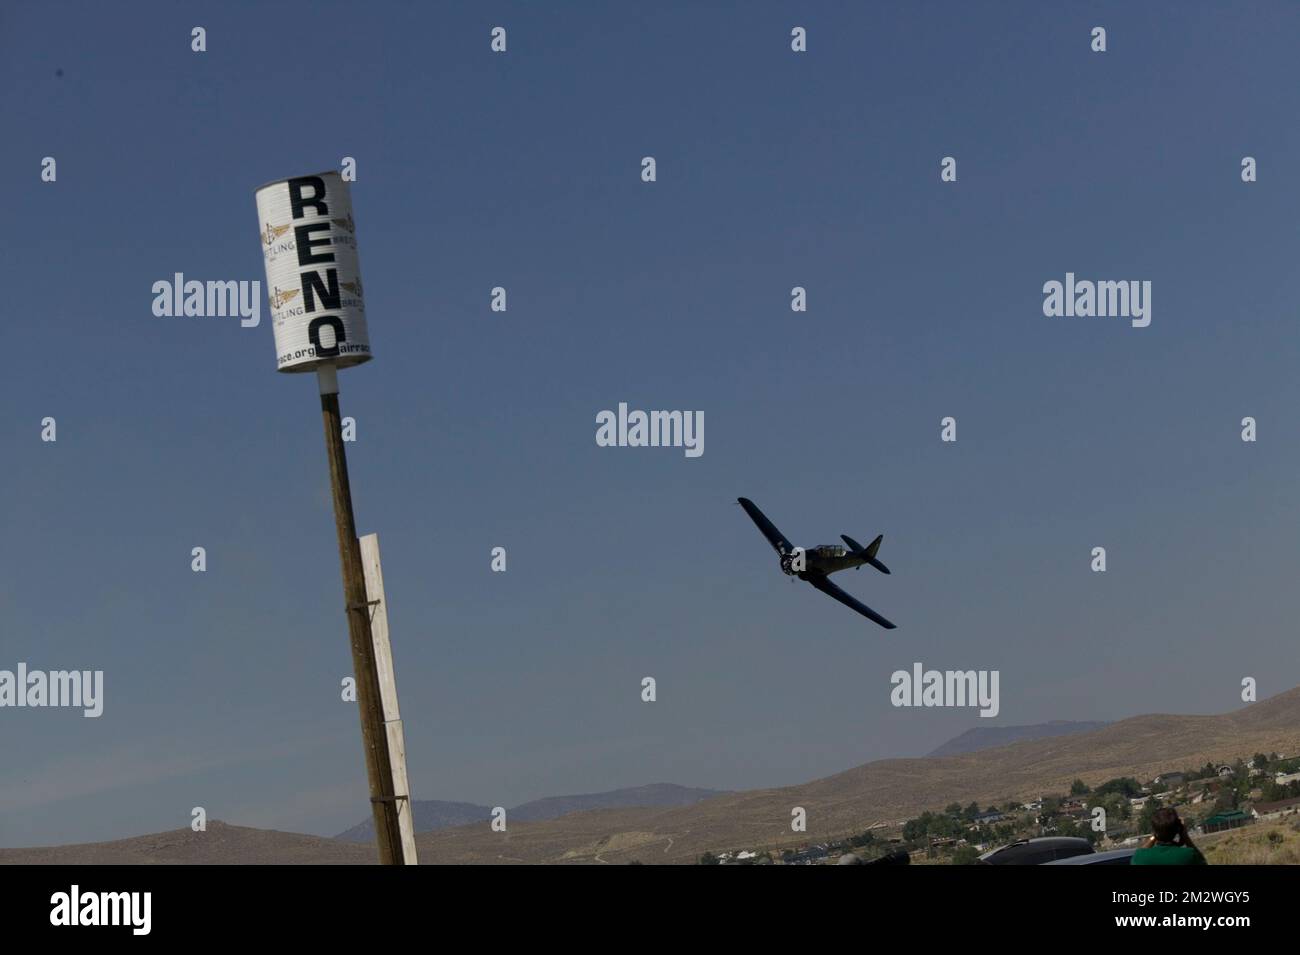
313 279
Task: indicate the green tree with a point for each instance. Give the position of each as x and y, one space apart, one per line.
965 855
1126 786
1081 830
708 859
1078 788
947 827
1148 810
1118 807
914 830
1227 799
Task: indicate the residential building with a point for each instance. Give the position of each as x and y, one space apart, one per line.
1276 810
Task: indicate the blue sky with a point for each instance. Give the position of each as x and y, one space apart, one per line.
476 429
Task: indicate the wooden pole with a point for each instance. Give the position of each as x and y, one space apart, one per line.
373 736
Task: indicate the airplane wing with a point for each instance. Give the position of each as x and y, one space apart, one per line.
829 589
774 536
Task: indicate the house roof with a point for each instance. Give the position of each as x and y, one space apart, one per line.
1275 806
1219 817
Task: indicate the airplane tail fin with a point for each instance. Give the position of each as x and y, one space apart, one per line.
867 553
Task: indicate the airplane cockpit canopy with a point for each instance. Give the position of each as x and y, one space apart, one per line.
830 550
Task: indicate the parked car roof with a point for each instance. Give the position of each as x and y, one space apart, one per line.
1037 851
1109 857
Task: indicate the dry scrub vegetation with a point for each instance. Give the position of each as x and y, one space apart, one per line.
1276 843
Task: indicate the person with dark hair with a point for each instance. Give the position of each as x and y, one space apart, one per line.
1169 844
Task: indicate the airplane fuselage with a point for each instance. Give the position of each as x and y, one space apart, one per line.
816 564
821 560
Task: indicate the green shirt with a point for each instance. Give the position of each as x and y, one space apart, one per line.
1166 853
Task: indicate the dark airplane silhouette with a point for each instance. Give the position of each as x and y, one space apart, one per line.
820 562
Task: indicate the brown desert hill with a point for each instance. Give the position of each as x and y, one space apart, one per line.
221 844
980 737
889 790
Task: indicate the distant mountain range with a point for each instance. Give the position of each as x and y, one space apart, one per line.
987 737
220 844
434 814
887 791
